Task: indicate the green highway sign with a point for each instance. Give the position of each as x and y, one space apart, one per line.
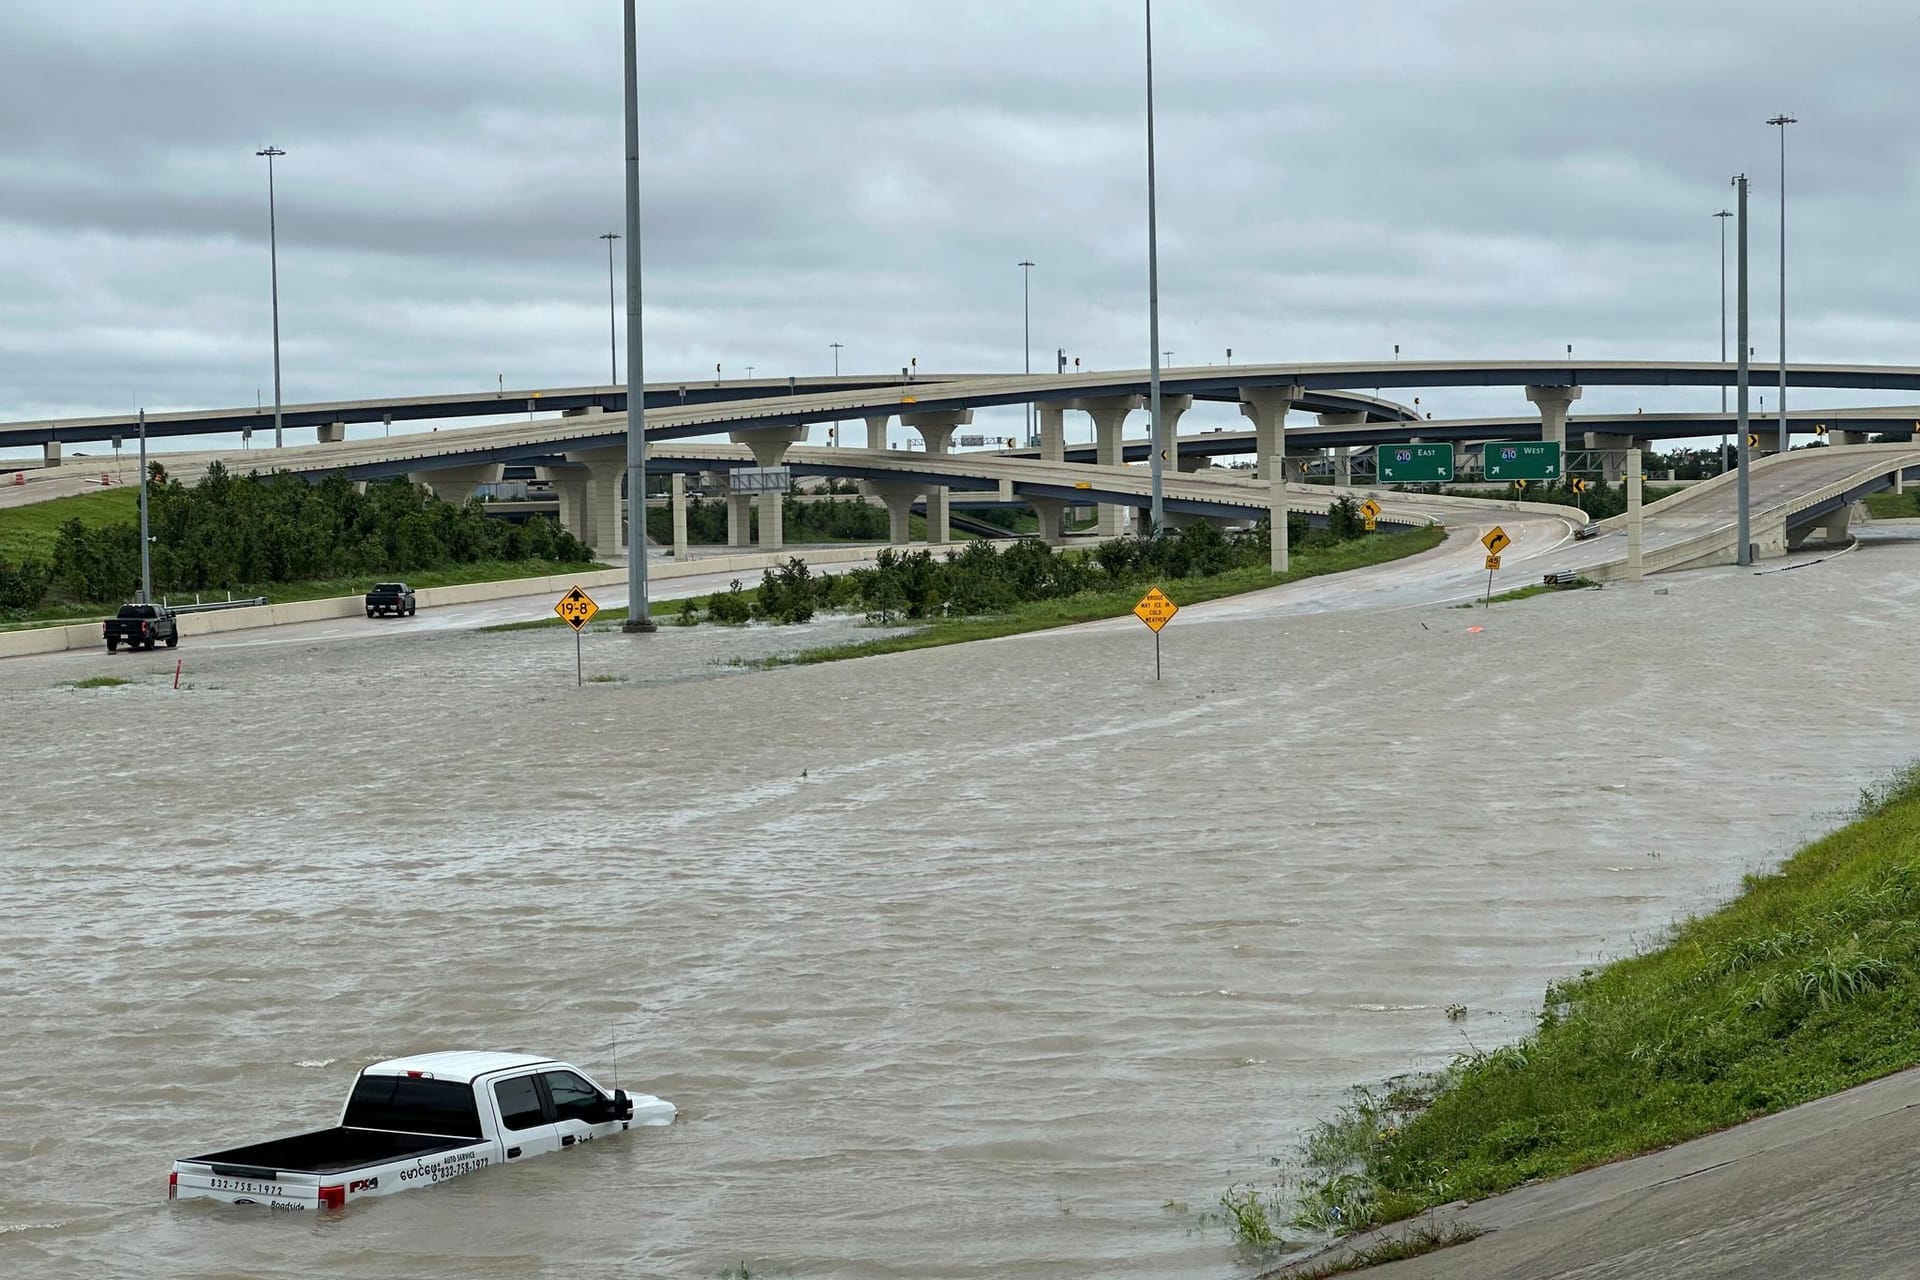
1522 460
1413 463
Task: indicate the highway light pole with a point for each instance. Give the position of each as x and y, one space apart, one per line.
1721 217
639 618
1781 121
1026 334
836 373
613 360
1157 511
273 258
1743 549
146 545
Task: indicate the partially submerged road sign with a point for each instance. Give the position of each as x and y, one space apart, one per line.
578 608
1413 463
1496 540
1522 460
1155 609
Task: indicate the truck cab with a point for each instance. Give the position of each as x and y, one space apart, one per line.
416 1121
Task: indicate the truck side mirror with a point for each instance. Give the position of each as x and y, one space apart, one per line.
622 1105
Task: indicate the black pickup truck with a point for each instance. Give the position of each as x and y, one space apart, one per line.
395 598
139 626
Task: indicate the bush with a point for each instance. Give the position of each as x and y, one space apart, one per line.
731 606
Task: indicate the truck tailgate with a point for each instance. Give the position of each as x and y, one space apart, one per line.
291 1191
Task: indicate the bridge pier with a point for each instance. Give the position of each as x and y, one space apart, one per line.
332 433
1267 408
50 454
877 430
898 497
1053 430
1342 454
770 450
739 519
1554 404
1109 414
1052 513
936 429
1166 436
677 502
1847 437
1611 444
606 473
570 491
456 484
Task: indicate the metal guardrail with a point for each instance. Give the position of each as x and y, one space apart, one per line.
209 606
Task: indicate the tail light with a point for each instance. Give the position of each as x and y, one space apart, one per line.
334 1197
173 1185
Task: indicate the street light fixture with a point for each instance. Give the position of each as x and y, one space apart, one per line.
1781 121
273 257
1157 511
613 360
1026 333
1721 217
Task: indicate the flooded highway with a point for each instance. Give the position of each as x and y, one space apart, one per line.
996 960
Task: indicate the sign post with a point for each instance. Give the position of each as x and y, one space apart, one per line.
577 609
1495 540
1156 611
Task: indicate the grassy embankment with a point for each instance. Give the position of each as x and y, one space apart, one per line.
1040 615
30 532
1805 984
1888 505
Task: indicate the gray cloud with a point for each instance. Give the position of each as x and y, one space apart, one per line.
1463 177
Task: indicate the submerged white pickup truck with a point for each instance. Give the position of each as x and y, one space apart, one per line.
416 1121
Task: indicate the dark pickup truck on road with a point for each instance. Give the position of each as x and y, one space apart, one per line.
395 598
138 626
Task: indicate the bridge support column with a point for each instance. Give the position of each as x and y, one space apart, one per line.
1052 513
1554 403
770 450
1846 437
1267 408
1109 414
50 456
606 474
1166 437
877 430
677 501
1900 482
739 519
1053 431
332 433
456 484
899 498
570 490
1634 521
937 429
1342 454
1614 466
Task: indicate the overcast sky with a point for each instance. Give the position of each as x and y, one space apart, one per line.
1467 178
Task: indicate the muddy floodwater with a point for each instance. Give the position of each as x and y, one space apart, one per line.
991 961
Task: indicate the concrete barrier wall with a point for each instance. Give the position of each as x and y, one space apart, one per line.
86 635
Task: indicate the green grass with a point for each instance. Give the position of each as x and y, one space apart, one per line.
30 532
1040 615
1805 984
1527 593
321 588
1417 1239
1888 505
97 682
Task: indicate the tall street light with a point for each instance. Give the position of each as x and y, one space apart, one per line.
1157 511
639 619
836 373
1781 121
273 257
1744 549
1721 217
613 360
1026 334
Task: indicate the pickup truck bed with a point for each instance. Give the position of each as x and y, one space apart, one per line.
333 1150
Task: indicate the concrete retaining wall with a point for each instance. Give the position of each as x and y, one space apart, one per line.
86 635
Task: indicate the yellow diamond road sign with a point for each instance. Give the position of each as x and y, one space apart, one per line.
577 607
1155 609
1370 509
1496 540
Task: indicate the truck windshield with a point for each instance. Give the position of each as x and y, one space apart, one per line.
406 1104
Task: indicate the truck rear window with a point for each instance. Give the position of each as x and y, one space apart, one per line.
388 588
136 611
410 1105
